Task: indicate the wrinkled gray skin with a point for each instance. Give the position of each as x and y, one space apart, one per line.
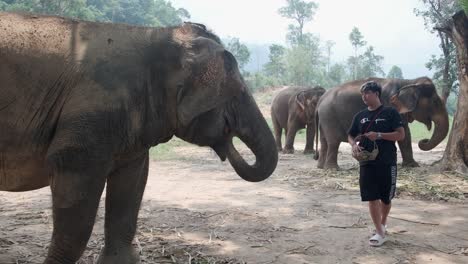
294 109
81 103
415 99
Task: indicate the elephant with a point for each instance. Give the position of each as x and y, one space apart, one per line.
293 109
415 99
82 103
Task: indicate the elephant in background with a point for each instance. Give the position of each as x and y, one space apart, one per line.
414 99
293 109
81 104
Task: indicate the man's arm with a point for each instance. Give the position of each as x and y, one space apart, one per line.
397 135
354 146
351 140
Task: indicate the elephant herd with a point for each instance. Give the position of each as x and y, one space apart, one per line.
327 115
81 104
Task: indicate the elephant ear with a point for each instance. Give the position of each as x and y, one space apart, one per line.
213 79
301 100
406 98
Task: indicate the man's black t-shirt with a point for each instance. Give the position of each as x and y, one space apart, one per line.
388 120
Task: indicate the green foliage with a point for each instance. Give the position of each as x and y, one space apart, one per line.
336 75
464 5
276 67
259 81
356 38
303 60
371 64
305 65
395 73
437 65
329 45
137 12
452 103
363 65
301 12
436 15
240 52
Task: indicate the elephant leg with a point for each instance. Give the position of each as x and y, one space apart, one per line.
406 150
290 135
323 150
331 159
277 128
124 192
77 183
310 134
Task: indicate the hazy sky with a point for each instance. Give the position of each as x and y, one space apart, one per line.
388 25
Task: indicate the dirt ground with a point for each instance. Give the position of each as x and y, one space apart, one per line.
197 210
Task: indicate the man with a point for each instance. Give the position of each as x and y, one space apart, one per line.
377 178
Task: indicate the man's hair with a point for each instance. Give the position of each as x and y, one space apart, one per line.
371 86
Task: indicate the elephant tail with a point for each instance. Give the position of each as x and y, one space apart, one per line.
316 155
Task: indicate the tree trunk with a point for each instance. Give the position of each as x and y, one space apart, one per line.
446 82
456 153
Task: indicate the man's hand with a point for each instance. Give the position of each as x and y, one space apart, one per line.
356 149
371 135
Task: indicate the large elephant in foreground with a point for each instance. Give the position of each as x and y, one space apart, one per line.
81 103
293 109
415 99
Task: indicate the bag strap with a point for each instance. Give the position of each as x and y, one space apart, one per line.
373 119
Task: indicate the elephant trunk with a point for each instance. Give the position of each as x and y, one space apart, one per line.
256 134
440 132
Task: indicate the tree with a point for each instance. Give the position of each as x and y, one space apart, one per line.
304 58
445 72
357 40
305 64
301 12
276 67
371 64
363 65
336 75
137 12
240 52
436 14
395 73
464 5
76 9
456 153
329 45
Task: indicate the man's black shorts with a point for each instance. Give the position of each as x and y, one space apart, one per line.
378 182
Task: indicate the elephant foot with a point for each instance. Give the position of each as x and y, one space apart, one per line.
309 151
279 149
332 167
317 156
120 256
410 164
288 151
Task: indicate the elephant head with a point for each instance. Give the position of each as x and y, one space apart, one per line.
214 105
307 100
420 101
